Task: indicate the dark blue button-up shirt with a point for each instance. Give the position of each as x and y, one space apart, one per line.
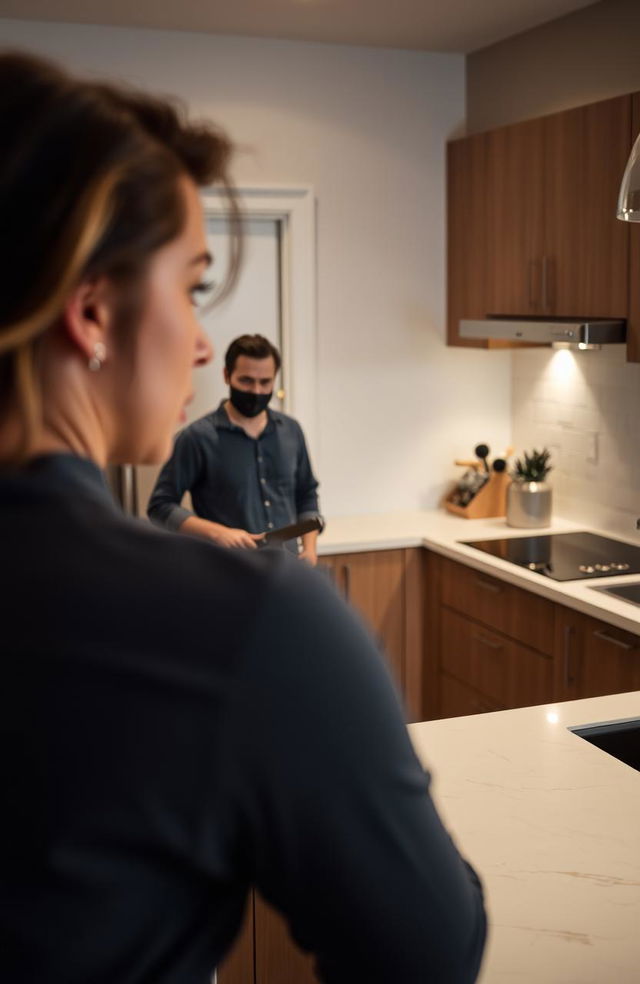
255 484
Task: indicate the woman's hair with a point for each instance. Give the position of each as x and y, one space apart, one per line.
89 186
253 346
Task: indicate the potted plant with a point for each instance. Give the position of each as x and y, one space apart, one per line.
529 495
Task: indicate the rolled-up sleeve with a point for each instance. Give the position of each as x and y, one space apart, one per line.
307 505
178 476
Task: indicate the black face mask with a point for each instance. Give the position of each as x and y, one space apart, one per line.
249 404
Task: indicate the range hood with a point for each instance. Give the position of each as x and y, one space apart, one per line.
568 331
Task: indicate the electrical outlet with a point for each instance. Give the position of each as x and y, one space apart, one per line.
592 448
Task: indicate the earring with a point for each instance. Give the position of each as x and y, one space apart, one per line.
98 357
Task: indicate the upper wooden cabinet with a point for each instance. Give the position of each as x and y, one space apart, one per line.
532 228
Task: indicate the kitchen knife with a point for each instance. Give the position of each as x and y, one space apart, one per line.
274 538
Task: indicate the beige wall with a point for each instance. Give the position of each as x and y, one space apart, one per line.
586 56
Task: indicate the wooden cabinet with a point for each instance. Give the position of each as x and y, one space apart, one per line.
386 588
492 646
514 241
586 248
466 232
633 323
532 228
494 643
593 658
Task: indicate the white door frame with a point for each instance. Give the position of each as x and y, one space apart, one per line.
293 208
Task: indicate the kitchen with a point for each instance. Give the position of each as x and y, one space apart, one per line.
380 188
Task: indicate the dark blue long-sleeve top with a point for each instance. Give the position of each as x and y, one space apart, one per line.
255 484
180 722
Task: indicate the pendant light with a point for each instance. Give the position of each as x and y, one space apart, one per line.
629 198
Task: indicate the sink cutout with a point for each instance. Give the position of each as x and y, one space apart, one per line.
621 739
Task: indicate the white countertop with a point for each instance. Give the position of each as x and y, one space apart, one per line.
441 531
551 823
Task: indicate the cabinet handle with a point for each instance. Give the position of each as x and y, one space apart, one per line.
346 580
545 299
601 634
568 677
487 585
488 642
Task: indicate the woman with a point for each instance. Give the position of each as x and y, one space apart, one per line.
175 718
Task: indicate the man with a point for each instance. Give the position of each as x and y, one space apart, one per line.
246 467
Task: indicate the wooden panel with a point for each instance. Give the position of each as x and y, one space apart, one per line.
431 665
466 236
585 246
508 673
514 245
594 658
519 614
238 967
374 584
278 959
414 632
457 699
633 324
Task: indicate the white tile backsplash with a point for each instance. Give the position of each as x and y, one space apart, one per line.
585 407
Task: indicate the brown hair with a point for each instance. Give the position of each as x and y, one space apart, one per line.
89 186
253 346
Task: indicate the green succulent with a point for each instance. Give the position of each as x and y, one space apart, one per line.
533 467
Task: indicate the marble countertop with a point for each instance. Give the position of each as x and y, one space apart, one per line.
441 531
551 824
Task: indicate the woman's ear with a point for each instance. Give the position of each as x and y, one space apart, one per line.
87 318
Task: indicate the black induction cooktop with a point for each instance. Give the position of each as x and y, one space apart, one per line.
565 556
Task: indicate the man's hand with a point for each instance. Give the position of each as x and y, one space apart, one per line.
224 536
309 551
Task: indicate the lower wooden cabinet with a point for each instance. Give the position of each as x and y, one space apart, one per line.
386 588
493 646
593 658
505 672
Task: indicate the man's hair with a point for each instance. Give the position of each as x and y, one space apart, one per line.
89 186
254 347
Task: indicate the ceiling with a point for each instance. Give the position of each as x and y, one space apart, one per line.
427 25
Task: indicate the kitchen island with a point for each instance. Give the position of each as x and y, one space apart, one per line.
552 825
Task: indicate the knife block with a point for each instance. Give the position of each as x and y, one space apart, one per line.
490 501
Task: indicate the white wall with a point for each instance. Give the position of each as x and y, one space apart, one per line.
585 408
366 128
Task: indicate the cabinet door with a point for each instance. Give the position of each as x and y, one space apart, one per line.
633 324
278 959
515 215
593 658
505 672
519 614
238 965
374 584
458 700
585 257
466 235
